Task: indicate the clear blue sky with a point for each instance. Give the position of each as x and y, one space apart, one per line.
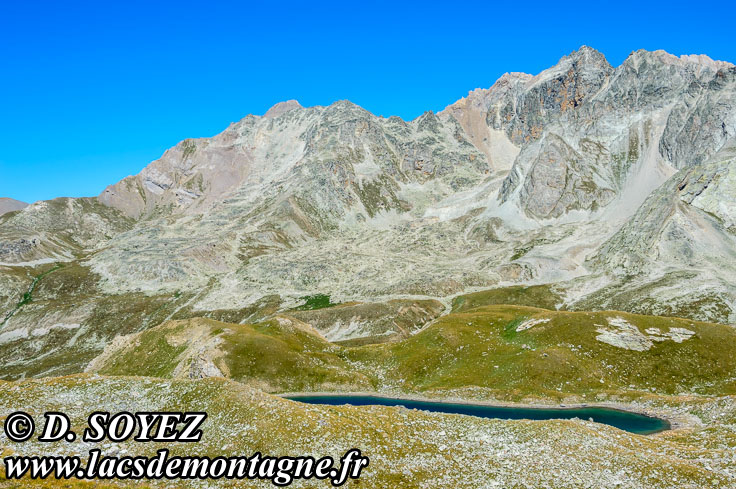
92 92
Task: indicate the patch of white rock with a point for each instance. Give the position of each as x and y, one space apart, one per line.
623 334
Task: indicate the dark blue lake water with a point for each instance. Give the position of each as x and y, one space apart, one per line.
632 422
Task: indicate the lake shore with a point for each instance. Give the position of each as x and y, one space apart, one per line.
677 421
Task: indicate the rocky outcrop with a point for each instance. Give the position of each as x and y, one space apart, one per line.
554 93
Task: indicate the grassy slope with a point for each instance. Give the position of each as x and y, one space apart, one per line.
68 292
276 355
474 353
480 348
71 295
542 296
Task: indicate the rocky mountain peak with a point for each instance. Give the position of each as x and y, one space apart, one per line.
586 56
585 62
345 105
659 56
670 71
282 108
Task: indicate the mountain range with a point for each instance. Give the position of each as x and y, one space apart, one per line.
609 187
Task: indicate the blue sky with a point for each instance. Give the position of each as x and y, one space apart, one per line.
92 92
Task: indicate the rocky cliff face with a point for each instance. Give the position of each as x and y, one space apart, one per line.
600 179
623 121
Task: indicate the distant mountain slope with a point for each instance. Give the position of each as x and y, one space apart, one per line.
571 177
9 205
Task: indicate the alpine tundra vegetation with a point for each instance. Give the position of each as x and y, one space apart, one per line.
561 238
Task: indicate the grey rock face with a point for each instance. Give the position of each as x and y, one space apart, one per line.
343 153
691 217
679 248
12 250
560 181
551 94
655 109
701 123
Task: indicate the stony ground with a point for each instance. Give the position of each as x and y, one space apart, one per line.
408 449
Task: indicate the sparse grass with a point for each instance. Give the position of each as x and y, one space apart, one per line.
543 296
153 357
105 317
257 311
265 355
189 147
70 281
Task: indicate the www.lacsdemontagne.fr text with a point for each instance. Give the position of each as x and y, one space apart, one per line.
281 471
